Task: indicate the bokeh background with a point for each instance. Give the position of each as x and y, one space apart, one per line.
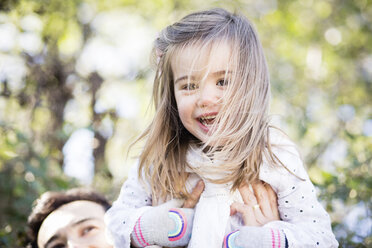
75 83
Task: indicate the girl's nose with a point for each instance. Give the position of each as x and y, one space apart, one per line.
209 95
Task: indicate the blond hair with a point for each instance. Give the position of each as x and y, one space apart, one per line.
241 137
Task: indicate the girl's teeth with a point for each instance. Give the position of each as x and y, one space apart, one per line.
207 120
208 117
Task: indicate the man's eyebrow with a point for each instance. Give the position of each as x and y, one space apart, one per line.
54 237
82 221
215 74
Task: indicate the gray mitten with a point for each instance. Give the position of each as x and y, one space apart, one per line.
164 226
257 237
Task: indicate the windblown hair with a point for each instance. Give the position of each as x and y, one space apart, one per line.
50 201
241 136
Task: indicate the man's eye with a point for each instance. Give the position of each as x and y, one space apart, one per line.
87 230
222 82
58 246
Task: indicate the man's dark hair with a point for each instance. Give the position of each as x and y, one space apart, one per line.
50 201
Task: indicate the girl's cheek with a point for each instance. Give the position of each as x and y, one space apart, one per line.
182 117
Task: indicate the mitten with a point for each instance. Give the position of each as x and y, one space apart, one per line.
258 237
164 226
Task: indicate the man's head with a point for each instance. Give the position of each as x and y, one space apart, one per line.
64 219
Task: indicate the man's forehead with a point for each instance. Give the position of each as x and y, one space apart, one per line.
66 216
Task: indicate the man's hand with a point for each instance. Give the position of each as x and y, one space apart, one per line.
260 206
193 199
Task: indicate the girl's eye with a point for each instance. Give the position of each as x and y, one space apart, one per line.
191 86
222 82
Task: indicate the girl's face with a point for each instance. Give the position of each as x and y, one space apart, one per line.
200 79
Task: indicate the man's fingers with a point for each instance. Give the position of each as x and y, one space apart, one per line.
246 211
260 206
237 207
193 199
262 197
247 195
273 200
232 211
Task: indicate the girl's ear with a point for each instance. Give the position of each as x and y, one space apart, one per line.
159 53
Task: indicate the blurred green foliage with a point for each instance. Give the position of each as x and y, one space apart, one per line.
320 59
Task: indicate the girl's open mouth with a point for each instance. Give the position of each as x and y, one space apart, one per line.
207 120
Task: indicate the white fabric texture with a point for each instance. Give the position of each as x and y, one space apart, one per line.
213 209
303 219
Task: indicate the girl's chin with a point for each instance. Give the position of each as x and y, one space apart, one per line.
205 139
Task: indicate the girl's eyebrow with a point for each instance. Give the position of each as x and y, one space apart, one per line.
183 78
217 73
222 72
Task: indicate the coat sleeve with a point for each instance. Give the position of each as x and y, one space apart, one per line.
303 219
134 199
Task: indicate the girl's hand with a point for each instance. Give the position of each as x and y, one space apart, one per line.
259 207
191 201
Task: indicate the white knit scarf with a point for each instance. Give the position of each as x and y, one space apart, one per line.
212 212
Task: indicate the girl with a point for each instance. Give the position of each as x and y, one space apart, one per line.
211 94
